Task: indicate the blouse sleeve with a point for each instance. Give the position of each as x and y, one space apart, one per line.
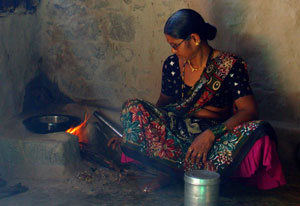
171 77
238 81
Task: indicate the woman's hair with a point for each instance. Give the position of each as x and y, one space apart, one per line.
187 21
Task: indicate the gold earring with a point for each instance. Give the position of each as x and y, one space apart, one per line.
197 43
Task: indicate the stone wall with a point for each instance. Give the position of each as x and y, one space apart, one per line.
106 51
19 56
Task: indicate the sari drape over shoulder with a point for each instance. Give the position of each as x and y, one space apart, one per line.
161 136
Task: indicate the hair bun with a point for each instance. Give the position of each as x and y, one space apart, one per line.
210 31
184 22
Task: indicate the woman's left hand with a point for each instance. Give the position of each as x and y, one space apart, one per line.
200 147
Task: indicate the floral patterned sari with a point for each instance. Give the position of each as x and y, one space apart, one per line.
162 136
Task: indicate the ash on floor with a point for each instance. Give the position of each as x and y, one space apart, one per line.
96 185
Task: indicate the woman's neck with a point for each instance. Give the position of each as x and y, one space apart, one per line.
199 59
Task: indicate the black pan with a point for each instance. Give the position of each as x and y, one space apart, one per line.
48 123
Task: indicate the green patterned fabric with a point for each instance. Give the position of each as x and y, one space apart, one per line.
152 132
163 135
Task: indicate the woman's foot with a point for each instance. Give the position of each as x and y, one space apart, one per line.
161 181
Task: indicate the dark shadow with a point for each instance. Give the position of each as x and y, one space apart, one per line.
257 53
41 93
11 5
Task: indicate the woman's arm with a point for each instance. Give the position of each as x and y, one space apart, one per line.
164 100
247 111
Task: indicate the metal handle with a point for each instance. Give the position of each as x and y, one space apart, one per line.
99 117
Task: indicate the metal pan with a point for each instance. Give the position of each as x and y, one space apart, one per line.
48 123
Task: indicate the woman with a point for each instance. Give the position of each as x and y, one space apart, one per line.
206 115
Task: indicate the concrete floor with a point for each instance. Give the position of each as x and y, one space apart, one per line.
91 184
96 185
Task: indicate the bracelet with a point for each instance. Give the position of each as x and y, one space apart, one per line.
219 130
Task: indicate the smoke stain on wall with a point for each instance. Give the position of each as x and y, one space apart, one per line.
10 6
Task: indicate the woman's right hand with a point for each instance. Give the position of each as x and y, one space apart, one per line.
114 142
200 147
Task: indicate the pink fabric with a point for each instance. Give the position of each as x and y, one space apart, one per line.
125 159
262 166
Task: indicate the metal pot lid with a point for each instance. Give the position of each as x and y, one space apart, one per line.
48 123
201 177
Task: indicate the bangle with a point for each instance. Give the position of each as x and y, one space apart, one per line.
219 130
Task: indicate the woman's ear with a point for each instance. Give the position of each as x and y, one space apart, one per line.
195 38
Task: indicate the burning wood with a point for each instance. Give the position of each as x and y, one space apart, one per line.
100 156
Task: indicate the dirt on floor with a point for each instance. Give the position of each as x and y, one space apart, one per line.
93 184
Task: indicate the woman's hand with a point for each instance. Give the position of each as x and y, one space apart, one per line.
200 147
114 142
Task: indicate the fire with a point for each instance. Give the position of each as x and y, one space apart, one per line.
80 131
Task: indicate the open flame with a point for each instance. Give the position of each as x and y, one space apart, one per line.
80 131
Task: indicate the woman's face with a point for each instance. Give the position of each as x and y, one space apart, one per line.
181 47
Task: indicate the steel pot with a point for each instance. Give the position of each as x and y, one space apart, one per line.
48 123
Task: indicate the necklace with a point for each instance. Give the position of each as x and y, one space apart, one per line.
193 69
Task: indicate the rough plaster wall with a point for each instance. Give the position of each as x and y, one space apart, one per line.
111 50
18 59
106 50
